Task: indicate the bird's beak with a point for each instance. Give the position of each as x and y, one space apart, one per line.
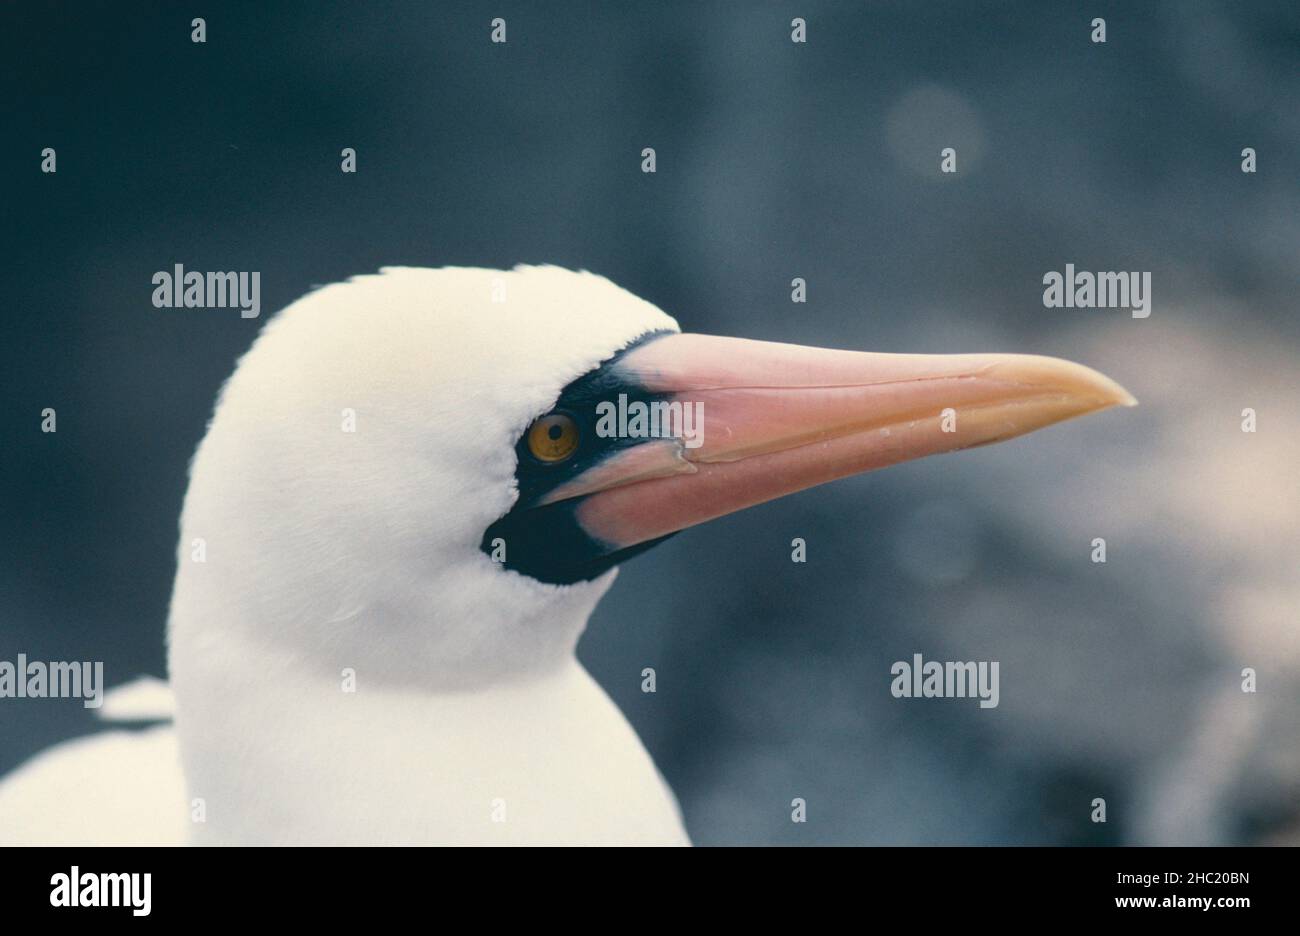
759 420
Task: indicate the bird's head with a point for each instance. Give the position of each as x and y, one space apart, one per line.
433 473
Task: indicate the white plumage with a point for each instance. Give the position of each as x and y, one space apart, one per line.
333 555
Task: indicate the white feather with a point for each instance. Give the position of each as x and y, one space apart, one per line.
144 699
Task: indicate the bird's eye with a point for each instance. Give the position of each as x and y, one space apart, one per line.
553 438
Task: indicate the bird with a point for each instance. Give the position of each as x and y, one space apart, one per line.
411 495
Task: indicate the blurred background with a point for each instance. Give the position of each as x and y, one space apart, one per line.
775 160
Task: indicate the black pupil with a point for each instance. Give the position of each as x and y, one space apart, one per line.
554 432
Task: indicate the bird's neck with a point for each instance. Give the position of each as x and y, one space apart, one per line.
311 760
297 726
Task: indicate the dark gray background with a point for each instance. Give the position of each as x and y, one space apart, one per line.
774 160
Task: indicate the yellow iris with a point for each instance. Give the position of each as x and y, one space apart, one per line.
553 438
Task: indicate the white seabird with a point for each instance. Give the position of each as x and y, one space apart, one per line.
406 518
